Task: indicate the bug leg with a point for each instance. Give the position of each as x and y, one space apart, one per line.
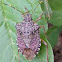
14 8
47 47
18 56
39 17
36 7
41 25
26 10
44 30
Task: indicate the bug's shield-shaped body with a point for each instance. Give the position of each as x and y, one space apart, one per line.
28 38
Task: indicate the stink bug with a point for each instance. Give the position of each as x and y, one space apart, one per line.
28 38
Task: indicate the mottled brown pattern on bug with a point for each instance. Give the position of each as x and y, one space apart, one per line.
28 53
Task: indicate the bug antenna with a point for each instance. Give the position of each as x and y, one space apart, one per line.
36 7
14 8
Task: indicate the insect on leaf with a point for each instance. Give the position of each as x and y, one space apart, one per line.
8 19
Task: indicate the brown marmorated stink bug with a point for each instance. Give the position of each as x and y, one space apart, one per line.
28 38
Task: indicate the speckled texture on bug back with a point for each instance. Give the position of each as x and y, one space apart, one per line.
28 38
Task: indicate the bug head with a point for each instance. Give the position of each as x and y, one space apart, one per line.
27 18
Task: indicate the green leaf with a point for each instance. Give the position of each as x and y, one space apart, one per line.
56 18
53 34
9 18
56 4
